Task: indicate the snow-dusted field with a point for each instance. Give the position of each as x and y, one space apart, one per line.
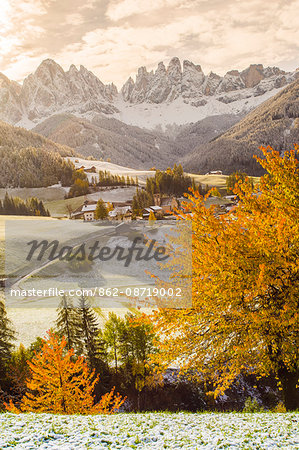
151 431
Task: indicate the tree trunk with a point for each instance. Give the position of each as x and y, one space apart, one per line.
290 388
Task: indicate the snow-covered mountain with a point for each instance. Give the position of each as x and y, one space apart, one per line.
49 90
194 87
274 123
178 94
10 105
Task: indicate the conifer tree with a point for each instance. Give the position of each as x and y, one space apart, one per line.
7 337
59 384
88 338
66 322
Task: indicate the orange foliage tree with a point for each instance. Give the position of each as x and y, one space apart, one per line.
245 291
61 384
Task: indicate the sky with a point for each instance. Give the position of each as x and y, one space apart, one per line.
112 38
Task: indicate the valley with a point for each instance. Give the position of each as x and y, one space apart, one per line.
173 114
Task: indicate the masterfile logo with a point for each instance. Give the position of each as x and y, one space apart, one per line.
115 265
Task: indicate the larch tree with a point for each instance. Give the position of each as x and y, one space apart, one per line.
61 385
101 211
245 293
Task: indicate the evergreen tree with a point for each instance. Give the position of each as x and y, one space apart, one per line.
17 206
7 337
88 338
66 322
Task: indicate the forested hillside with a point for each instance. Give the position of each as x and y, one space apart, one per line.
274 123
17 138
30 160
33 167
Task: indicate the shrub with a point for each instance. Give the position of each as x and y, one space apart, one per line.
252 406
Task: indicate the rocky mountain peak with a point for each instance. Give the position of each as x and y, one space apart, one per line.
9 99
51 90
253 75
188 65
174 70
161 69
192 85
127 89
234 73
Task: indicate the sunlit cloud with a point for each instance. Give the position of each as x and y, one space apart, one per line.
119 9
115 37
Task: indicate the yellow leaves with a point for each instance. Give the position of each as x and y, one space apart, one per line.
10 407
108 404
245 275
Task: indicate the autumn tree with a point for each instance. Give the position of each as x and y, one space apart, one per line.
244 316
152 217
111 335
101 211
61 385
233 179
17 206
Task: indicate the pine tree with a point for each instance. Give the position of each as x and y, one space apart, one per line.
7 337
88 339
66 322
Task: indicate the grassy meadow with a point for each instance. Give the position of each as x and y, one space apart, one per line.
151 431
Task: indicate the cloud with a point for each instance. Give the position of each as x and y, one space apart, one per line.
114 37
125 8
74 19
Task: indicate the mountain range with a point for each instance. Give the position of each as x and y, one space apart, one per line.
274 123
166 115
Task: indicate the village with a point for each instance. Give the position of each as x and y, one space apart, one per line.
161 207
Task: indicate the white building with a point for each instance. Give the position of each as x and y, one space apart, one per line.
89 212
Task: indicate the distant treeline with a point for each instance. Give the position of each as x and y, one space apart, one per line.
33 167
17 207
107 179
171 182
81 186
